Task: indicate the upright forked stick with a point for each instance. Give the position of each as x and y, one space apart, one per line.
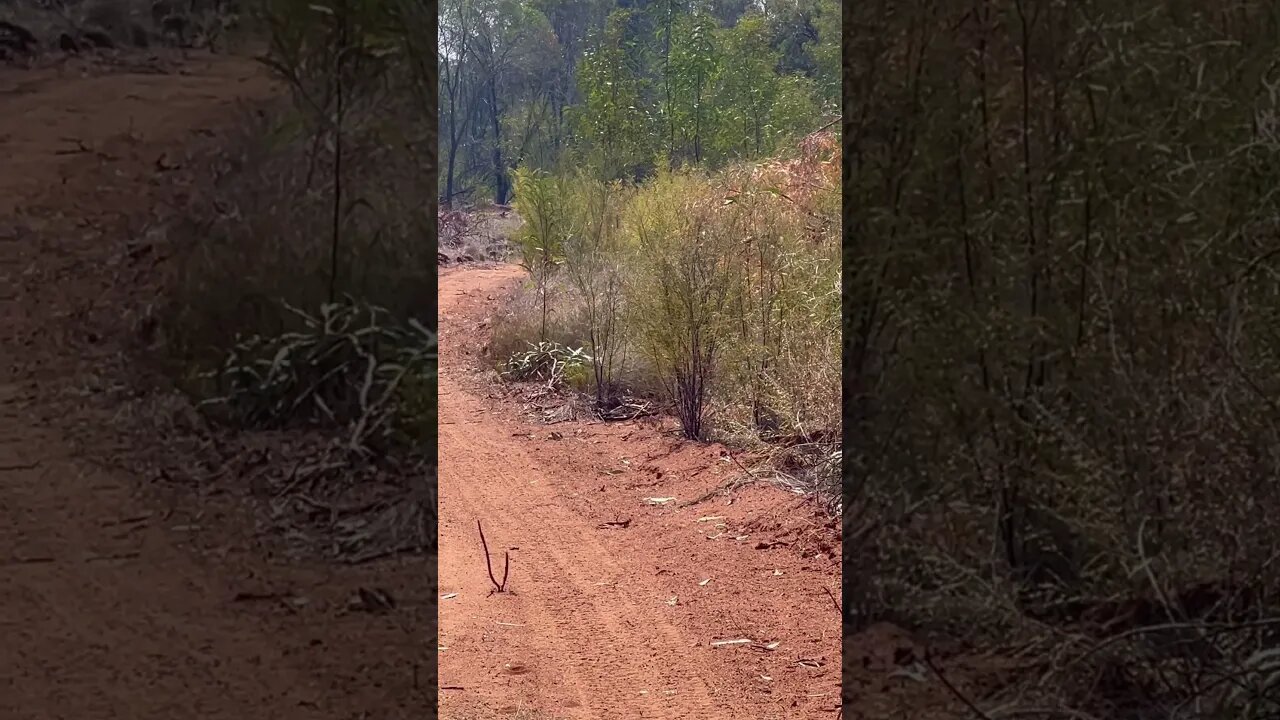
497 586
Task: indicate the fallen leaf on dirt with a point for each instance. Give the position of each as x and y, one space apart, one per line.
709 518
673 601
450 596
658 500
704 582
722 643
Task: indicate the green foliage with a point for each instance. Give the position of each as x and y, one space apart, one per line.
826 53
684 285
542 204
693 62
613 122
547 362
345 365
1062 304
744 93
625 91
721 288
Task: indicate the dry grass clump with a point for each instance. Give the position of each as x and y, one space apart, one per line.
475 235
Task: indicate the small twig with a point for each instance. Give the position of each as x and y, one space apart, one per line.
1201 626
252 596
118 556
81 147
740 465
20 466
835 602
829 124
29 560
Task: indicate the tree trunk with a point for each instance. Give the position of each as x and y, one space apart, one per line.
499 170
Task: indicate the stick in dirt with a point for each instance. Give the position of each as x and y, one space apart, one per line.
499 587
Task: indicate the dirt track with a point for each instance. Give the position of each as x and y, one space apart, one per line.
114 605
605 621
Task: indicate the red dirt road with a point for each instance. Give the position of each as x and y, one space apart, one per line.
604 621
113 604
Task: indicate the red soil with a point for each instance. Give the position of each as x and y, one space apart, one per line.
616 621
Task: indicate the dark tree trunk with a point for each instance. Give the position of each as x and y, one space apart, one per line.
499 168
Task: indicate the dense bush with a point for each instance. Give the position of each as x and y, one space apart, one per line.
1062 323
719 290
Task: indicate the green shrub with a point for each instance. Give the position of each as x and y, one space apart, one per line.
547 362
722 291
684 283
349 365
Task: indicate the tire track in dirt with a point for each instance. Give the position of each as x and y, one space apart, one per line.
596 625
602 639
